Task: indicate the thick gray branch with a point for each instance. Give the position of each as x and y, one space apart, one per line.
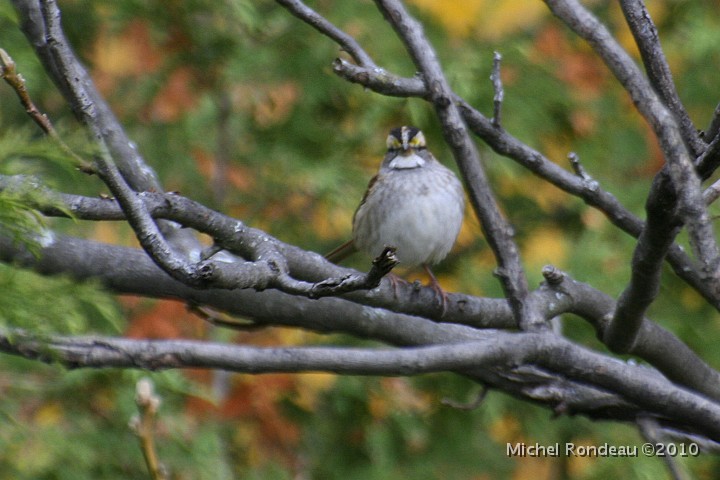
493 350
127 270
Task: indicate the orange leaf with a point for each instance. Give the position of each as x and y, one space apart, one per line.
166 319
177 97
129 54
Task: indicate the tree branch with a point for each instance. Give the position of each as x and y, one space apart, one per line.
685 182
379 80
318 22
658 70
649 391
654 344
499 96
506 145
84 259
535 366
144 427
496 229
73 81
658 234
9 73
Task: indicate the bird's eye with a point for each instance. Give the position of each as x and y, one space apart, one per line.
393 143
418 141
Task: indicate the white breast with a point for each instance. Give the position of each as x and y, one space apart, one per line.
417 210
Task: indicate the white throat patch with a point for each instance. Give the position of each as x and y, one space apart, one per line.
406 161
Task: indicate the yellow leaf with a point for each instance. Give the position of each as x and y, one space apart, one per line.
690 299
505 429
310 386
545 245
49 414
457 16
488 19
534 468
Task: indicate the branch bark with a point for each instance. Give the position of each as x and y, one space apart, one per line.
127 270
497 349
658 71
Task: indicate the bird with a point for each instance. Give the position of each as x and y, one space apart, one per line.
414 204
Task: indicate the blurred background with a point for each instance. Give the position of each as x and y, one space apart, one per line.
235 105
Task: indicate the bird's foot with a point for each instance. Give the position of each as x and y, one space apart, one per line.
394 281
439 292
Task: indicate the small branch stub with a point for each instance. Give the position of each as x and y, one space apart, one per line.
577 166
553 275
498 88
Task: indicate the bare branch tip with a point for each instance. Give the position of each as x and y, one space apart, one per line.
553 275
6 63
386 261
471 405
578 168
143 426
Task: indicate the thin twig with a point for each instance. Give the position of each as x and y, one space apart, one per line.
221 319
321 24
379 80
381 266
144 427
714 128
498 88
9 73
712 193
471 405
577 166
651 431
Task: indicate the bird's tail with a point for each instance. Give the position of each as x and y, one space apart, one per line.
342 252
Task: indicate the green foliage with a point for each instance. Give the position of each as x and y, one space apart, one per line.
19 219
20 149
60 304
48 433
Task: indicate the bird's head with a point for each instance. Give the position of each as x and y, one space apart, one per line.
406 147
405 140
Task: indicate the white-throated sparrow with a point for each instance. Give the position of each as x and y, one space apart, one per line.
414 204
